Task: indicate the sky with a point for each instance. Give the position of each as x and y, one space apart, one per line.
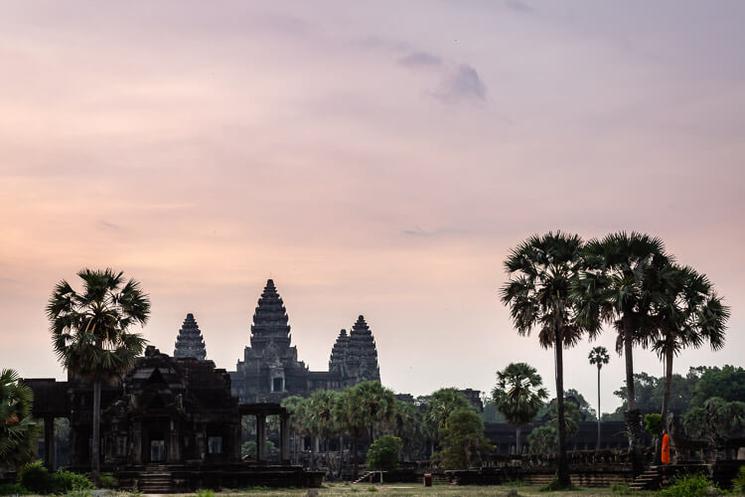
376 158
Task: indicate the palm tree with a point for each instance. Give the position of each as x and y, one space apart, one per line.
599 357
297 409
18 430
543 270
90 333
690 313
615 288
440 404
322 421
519 395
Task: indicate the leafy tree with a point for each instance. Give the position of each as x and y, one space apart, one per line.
615 289
463 440
599 357
519 395
653 424
727 382
439 405
689 314
543 440
716 421
18 431
90 332
540 293
384 453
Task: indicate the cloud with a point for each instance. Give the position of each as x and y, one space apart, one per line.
420 59
463 83
518 5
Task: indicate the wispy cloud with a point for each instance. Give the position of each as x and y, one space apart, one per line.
420 59
461 84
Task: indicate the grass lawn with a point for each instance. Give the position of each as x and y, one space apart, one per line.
418 490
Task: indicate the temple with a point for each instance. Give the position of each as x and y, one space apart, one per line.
189 342
270 369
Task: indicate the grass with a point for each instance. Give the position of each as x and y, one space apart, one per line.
418 490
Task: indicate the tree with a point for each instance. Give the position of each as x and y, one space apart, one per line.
727 382
599 357
299 419
384 453
689 314
364 406
543 273
716 421
519 395
615 289
90 333
321 422
463 439
439 405
18 430
407 425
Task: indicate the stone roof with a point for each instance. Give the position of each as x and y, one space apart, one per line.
189 342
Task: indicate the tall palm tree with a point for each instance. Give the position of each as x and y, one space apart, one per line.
322 421
599 357
615 288
18 430
519 395
690 313
90 333
543 271
297 409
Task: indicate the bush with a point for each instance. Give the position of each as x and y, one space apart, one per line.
653 424
383 453
621 489
205 493
691 486
107 480
36 478
12 489
738 483
66 481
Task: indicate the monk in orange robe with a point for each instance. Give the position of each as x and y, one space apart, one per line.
665 458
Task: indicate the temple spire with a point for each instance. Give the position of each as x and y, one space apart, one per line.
189 342
270 321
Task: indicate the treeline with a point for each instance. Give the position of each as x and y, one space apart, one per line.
444 425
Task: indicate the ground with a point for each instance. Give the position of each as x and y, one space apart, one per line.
418 490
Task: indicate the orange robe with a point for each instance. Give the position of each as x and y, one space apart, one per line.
665 449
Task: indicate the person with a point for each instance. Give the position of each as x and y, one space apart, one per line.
665 456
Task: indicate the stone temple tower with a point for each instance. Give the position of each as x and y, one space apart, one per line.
189 342
270 369
355 356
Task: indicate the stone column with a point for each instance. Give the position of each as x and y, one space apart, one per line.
261 437
284 438
49 442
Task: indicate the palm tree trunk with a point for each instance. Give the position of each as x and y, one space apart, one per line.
354 453
597 447
96 443
517 441
668 385
633 420
562 474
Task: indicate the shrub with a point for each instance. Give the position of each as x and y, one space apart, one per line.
66 481
205 493
653 423
107 480
36 478
621 489
691 486
738 483
12 489
383 453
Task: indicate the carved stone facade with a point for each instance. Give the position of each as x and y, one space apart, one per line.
270 369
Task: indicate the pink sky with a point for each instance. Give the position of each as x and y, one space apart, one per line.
377 158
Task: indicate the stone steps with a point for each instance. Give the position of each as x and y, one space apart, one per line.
156 479
649 480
